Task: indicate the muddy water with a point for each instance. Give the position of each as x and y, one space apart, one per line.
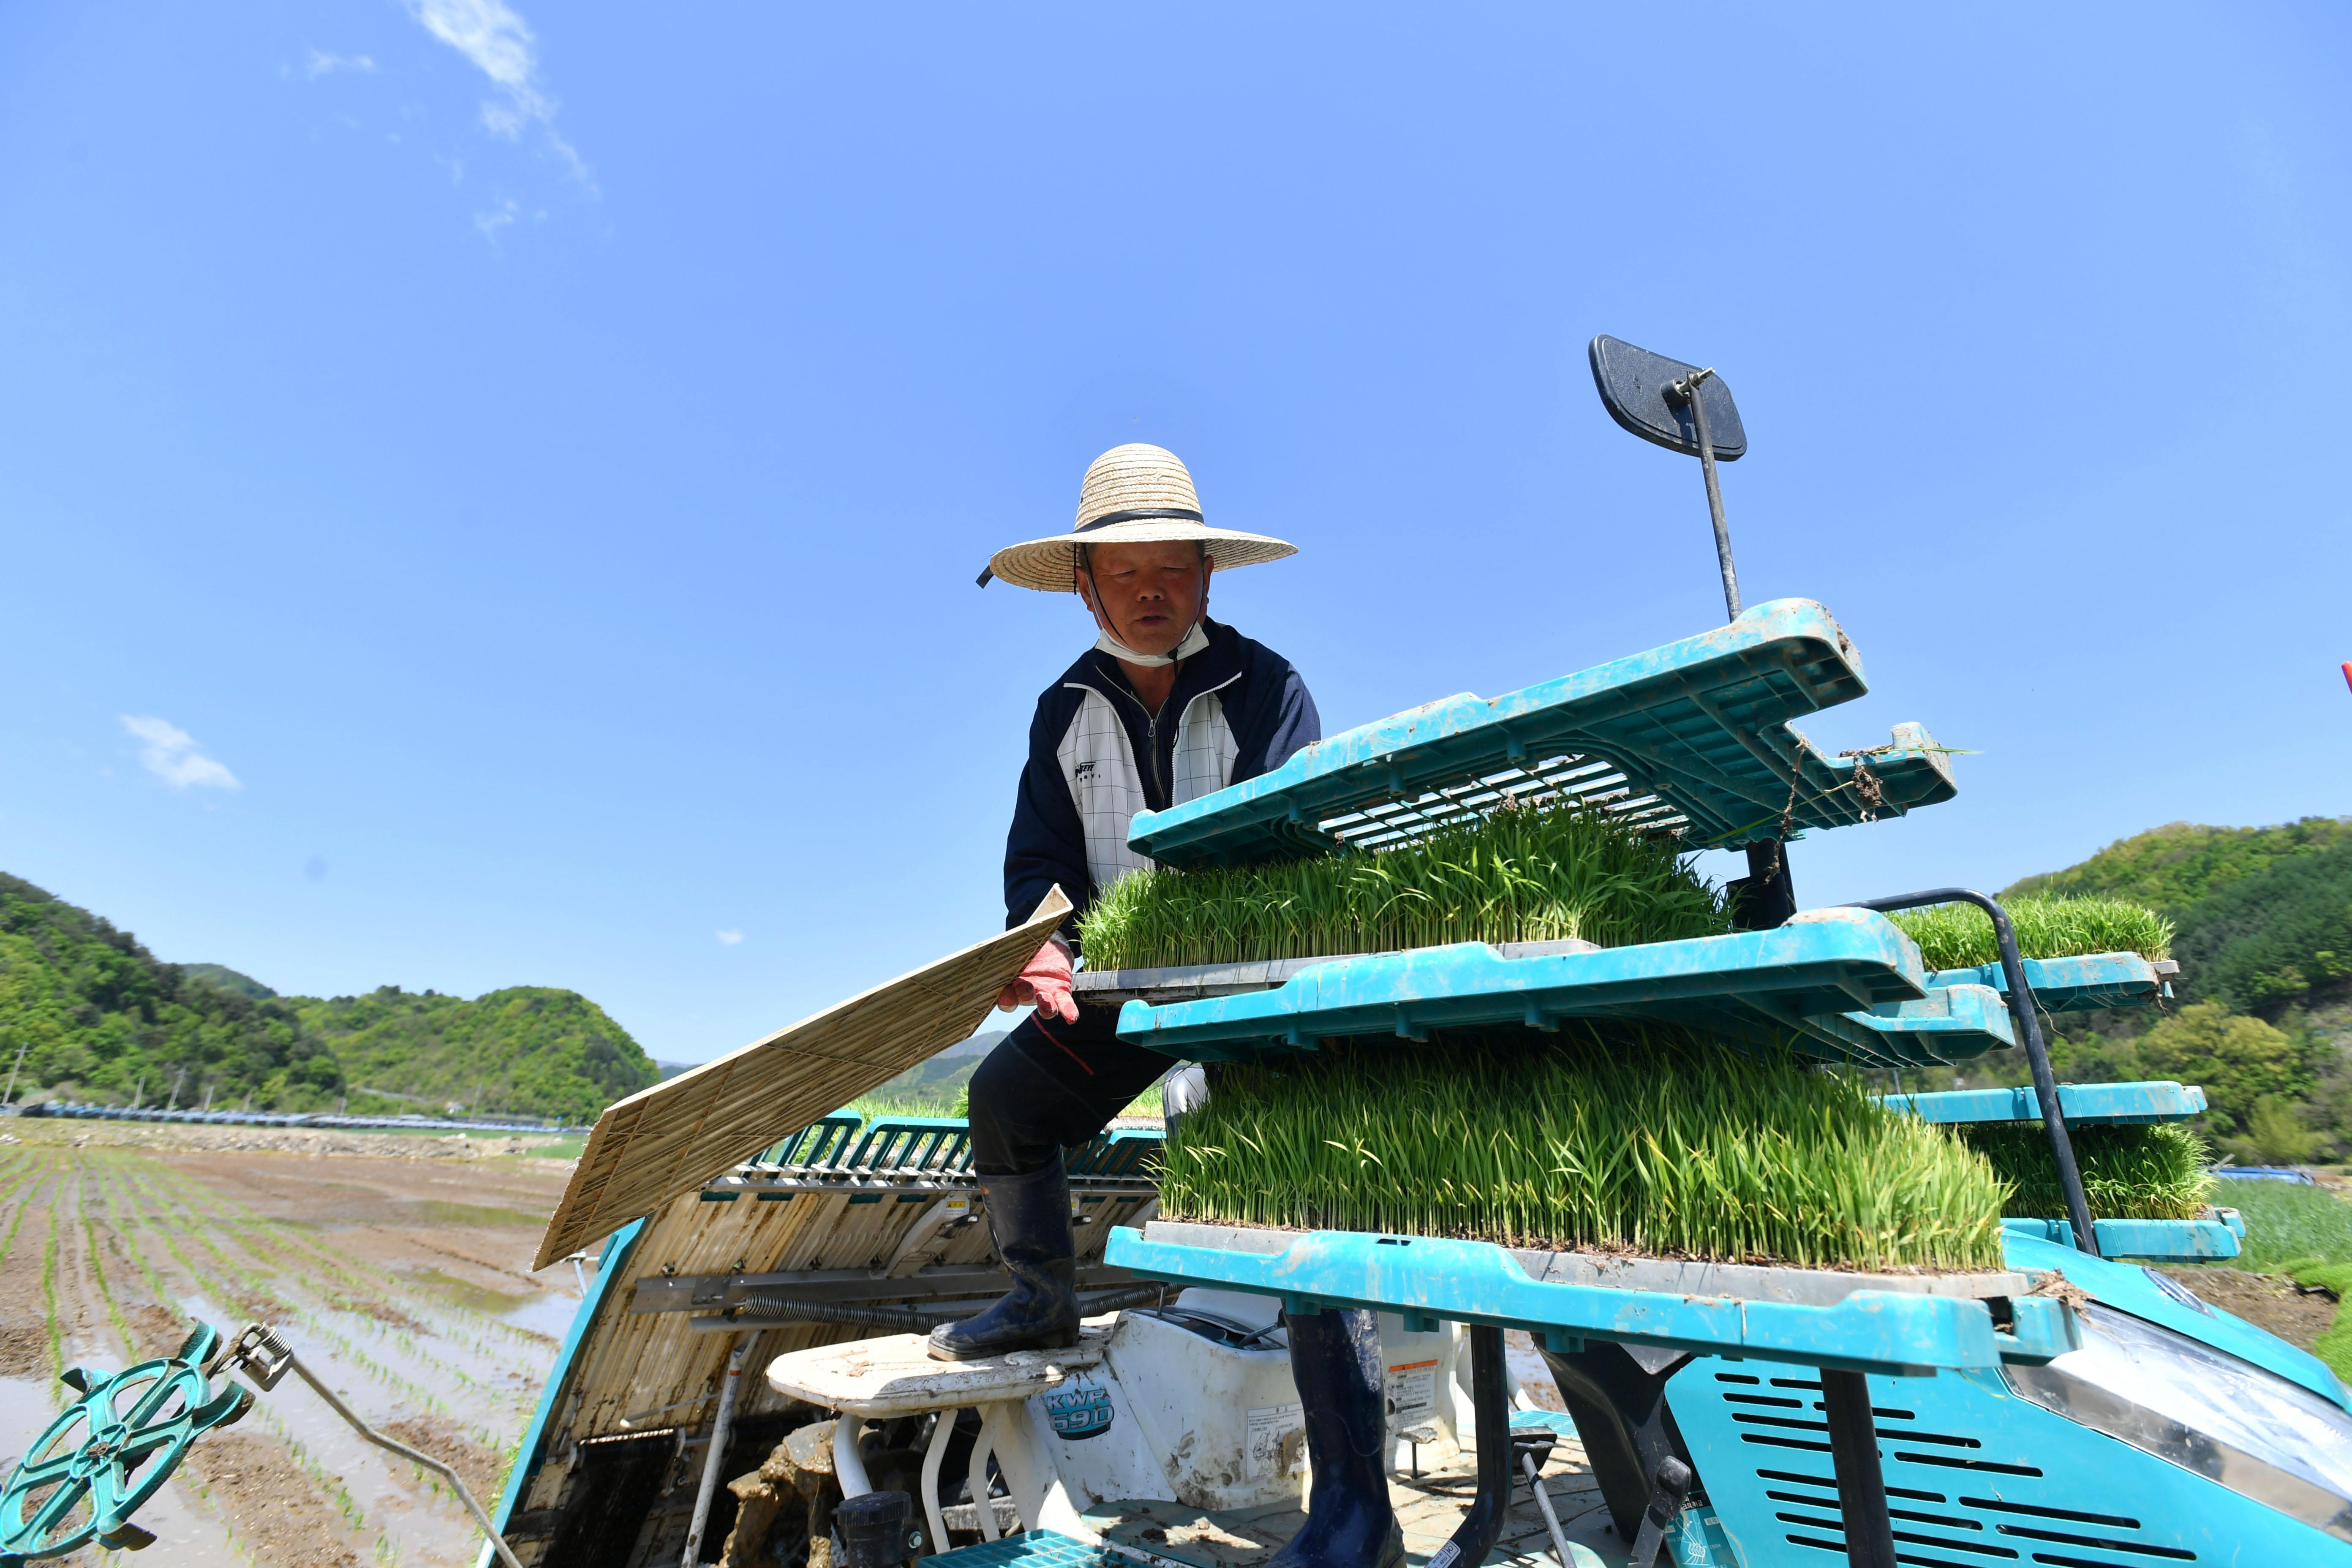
547 1315
404 1283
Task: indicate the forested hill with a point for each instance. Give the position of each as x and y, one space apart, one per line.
99 1018
88 1004
552 1050
2264 914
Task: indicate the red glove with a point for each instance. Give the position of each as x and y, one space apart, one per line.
1046 982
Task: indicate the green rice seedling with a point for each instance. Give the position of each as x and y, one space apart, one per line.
1526 874
2154 1171
1634 1138
1960 936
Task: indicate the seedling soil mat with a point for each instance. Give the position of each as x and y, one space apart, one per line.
1690 736
1804 986
1896 1325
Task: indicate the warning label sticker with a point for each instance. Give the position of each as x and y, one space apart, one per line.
1278 1441
1412 1392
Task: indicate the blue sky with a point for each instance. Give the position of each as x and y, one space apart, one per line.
492 493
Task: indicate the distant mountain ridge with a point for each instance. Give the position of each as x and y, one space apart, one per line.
222 977
101 1017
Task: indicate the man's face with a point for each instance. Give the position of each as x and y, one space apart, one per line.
1148 594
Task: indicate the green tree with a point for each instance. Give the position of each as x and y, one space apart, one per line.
2237 1059
2274 935
2276 1132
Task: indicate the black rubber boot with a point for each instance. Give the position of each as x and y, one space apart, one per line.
1030 1218
1335 1359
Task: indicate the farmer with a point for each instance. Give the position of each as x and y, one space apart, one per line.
1166 707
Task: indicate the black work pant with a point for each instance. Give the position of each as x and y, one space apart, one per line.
1050 1086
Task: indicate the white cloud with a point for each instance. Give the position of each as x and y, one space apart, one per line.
496 218
499 41
170 754
728 938
321 63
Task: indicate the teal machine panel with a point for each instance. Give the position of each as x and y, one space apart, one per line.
1818 1324
2177 1435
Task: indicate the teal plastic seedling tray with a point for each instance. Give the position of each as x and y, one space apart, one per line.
1896 1325
1809 985
2081 1104
2072 984
2095 1105
2155 1240
1693 735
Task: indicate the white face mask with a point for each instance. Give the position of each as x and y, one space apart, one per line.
1194 641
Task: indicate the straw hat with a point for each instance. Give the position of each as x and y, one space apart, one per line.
1135 494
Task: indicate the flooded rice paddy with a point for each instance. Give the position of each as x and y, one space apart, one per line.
400 1276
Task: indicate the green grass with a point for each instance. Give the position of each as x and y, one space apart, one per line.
1639 1138
2156 1172
1960 936
1521 875
2289 1225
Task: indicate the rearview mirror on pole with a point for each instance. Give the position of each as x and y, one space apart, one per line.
1684 409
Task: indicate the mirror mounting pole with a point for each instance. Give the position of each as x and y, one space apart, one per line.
1686 391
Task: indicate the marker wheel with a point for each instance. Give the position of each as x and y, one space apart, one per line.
82 1479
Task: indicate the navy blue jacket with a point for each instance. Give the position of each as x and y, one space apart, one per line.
1266 709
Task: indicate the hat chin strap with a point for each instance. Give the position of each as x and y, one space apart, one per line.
1194 641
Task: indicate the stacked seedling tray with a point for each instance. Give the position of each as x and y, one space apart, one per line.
1692 736
2135 1153
1690 742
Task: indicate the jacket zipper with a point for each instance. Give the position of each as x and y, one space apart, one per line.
1151 727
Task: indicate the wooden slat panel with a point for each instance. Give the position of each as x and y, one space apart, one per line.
670 1139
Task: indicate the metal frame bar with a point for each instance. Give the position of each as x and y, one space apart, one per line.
2028 1030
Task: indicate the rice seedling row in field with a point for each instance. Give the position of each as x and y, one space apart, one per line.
329 1484
34 1180
2157 1171
98 1272
274 1288
361 1278
265 1288
52 1321
1631 1138
1960 936
1522 874
158 1287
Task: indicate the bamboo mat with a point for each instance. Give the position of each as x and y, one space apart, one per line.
670 1139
